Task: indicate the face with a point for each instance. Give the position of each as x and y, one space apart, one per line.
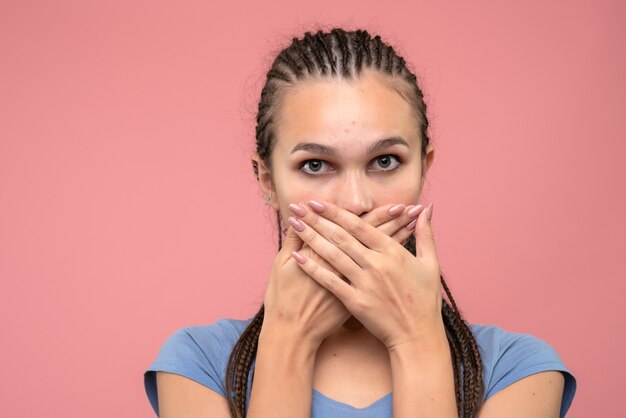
353 143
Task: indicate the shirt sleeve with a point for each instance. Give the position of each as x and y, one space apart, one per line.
521 355
195 352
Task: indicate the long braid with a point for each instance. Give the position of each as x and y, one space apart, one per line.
457 356
346 54
471 354
279 226
239 365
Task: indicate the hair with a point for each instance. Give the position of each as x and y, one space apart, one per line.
345 55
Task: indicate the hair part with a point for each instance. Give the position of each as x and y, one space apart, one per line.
345 55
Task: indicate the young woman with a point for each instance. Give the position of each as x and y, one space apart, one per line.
353 323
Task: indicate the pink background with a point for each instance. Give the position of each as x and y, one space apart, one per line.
128 208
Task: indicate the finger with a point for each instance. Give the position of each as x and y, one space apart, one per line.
402 221
365 233
325 278
383 214
308 252
291 242
424 237
332 254
407 230
333 233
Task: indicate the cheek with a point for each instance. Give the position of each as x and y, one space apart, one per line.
293 187
405 191
293 192
408 196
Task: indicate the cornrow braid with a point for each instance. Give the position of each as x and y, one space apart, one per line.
342 39
332 58
379 52
310 42
359 53
279 75
347 54
366 40
390 56
300 48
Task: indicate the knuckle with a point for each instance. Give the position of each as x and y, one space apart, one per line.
311 268
334 255
397 254
338 238
355 227
381 218
429 235
331 282
313 220
400 237
312 238
383 267
333 211
359 307
376 268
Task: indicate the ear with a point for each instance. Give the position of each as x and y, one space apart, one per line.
264 179
427 160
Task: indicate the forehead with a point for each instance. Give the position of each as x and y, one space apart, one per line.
343 112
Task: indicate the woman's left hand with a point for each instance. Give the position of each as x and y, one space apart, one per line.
395 295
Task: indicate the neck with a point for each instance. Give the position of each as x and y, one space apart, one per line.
352 337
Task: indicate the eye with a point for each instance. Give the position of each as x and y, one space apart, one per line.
314 167
385 162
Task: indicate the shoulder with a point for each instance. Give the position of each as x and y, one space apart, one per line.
221 334
509 357
202 345
197 352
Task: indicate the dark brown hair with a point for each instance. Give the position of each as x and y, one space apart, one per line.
345 55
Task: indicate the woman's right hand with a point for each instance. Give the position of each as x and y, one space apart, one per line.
296 304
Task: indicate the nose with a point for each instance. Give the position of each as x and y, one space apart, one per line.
355 194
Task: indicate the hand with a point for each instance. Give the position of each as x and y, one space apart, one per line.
295 303
394 294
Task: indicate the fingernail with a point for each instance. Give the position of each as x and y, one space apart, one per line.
299 257
429 211
296 223
411 226
414 211
297 209
396 209
316 206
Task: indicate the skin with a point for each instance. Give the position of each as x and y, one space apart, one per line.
348 118
352 294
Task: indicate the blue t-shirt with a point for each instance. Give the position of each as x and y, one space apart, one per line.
201 353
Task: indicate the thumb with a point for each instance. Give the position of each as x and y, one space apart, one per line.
291 242
424 237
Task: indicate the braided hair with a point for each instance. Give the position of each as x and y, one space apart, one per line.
344 55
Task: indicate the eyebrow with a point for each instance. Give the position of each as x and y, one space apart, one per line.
328 150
